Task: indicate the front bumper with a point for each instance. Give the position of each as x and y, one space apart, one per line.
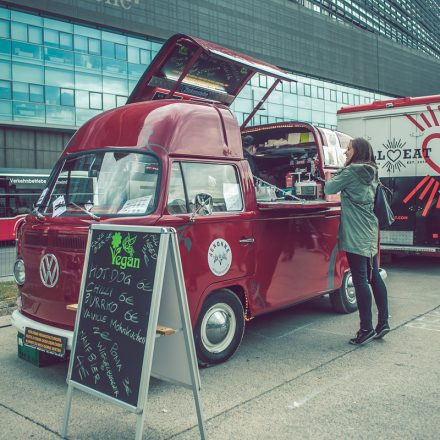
20 322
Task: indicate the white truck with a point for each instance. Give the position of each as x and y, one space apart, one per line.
405 136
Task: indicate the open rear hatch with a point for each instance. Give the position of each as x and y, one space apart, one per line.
195 69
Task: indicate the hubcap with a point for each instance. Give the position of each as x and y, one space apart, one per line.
350 292
218 328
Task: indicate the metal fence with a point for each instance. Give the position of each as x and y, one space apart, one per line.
7 258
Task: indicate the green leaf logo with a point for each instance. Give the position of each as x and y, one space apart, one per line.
116 240
128 243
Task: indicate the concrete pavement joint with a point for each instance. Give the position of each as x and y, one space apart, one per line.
280 336
415 318
324 364
327 331
318 391
30 420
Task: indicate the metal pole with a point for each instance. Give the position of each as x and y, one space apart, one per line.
276 82
140 424
67 411
187 68
198 409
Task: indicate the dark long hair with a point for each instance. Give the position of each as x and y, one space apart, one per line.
362 152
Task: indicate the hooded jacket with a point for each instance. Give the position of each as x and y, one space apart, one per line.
358 229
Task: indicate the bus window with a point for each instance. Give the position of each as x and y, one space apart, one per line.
19 190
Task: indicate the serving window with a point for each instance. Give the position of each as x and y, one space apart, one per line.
281 151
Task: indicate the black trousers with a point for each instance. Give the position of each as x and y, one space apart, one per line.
365 273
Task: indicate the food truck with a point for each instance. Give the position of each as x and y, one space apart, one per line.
405 136
173 157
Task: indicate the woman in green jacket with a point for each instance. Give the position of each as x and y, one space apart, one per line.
359 235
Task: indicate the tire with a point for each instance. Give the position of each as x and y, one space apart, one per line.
343 300
219 329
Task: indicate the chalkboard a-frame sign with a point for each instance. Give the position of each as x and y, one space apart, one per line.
132 277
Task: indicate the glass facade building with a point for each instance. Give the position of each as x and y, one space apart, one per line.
414 24
57 73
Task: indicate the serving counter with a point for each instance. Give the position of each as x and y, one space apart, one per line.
297 205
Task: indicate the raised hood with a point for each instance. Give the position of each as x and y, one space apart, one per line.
192 68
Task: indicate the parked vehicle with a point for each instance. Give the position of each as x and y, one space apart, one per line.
173 157
19 190
405 135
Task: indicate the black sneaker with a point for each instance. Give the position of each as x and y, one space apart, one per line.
381 330
362 337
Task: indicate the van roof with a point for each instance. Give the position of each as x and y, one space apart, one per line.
391 103
175 127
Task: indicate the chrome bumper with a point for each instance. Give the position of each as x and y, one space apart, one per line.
21 322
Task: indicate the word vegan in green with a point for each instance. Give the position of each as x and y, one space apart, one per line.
119 245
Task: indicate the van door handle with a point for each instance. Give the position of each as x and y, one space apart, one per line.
246 240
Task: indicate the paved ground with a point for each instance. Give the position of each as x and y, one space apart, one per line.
295 376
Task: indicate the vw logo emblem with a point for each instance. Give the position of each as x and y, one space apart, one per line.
49 270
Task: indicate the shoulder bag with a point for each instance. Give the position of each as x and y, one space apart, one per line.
382 208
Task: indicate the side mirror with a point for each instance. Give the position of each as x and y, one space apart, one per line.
203 204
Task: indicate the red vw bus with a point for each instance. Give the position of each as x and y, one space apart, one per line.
173 157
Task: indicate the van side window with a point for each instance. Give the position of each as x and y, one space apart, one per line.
176 196
218 180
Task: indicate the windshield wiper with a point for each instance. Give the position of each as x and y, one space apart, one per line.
94 217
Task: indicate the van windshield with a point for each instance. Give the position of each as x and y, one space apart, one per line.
105 183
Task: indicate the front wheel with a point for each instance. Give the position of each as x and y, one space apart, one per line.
343 300
219 329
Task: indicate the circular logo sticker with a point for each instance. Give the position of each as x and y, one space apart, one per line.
219 257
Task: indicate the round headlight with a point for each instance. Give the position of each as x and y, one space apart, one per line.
19 272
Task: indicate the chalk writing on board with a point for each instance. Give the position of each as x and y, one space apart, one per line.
91 358
109 274
150 247
100 241
114 312
97 317
106 368
82 370
114 351
98 289
126 384
126 330
126 298
145 285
